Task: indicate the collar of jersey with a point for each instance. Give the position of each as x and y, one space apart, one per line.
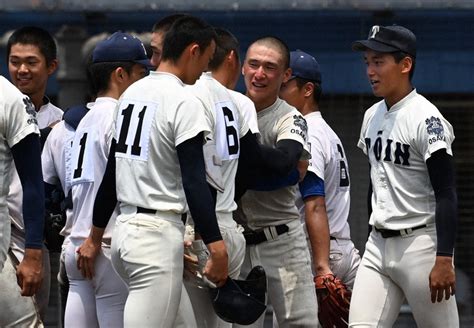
99 100
402 102
270 108
166 75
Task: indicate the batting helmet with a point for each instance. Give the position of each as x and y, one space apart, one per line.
241 301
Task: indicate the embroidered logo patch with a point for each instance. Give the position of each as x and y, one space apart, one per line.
300 122
434 126
30 109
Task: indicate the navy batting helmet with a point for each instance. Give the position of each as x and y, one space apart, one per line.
241 301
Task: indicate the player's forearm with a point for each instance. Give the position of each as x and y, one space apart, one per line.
318 231
198 193
27 157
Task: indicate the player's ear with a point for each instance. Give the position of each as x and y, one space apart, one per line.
53 65
308 89
287 75
407 64
194 50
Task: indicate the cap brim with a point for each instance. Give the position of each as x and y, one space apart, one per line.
145 62
363 45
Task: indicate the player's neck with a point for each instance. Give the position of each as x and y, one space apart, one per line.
37 99
309 107
398 95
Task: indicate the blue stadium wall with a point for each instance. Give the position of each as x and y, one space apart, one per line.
445 61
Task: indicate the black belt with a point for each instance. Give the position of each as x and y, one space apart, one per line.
150 211
333 238
256 237
396 233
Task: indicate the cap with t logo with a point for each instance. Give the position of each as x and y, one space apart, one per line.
388 39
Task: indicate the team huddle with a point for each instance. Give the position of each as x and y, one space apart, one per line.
183 203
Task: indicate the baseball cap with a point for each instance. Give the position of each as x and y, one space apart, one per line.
241 301
388 39
120 47
304 66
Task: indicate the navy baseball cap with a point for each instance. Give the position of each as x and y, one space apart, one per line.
304 66
120 47
388 39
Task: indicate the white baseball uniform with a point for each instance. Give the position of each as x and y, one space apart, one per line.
228 126
47 114
156 114
100 301
329 163
247 108
398 141
17 120
285 257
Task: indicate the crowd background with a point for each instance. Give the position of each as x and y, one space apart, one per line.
323 28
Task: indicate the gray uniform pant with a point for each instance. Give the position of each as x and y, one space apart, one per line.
287 263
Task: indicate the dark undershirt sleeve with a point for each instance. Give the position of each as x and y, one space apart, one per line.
441 171
106 198
198 193
259 163
27 157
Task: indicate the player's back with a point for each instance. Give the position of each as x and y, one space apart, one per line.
156 114
329 162
229 126
90 151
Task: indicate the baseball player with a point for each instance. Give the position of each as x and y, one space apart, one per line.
97 298
158 35
161 128
31 53
325 190
276 239
56 163
20 143
409 253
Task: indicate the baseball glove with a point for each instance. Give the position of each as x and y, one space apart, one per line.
333 301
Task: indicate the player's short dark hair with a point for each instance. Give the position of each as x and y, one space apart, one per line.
185 31
318 90
399 55
164 24
34 36
225 43
279 44
99 74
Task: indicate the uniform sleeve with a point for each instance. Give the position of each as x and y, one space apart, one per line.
21 120
434 133
47 161
361 143
190 120
318 160
249 113
293 126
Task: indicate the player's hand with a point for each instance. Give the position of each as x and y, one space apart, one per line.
86 255
216 269
442 279
191 265
302 168
29 272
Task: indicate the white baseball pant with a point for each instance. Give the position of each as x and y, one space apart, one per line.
147 252
235 243
98 302
393 269
344 259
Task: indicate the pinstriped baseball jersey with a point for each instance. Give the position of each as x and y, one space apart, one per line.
278 122
398 142
90 151
328 161
150 124
229 126
247 108
17 120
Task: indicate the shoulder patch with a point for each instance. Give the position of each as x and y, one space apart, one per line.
434 126
30 110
